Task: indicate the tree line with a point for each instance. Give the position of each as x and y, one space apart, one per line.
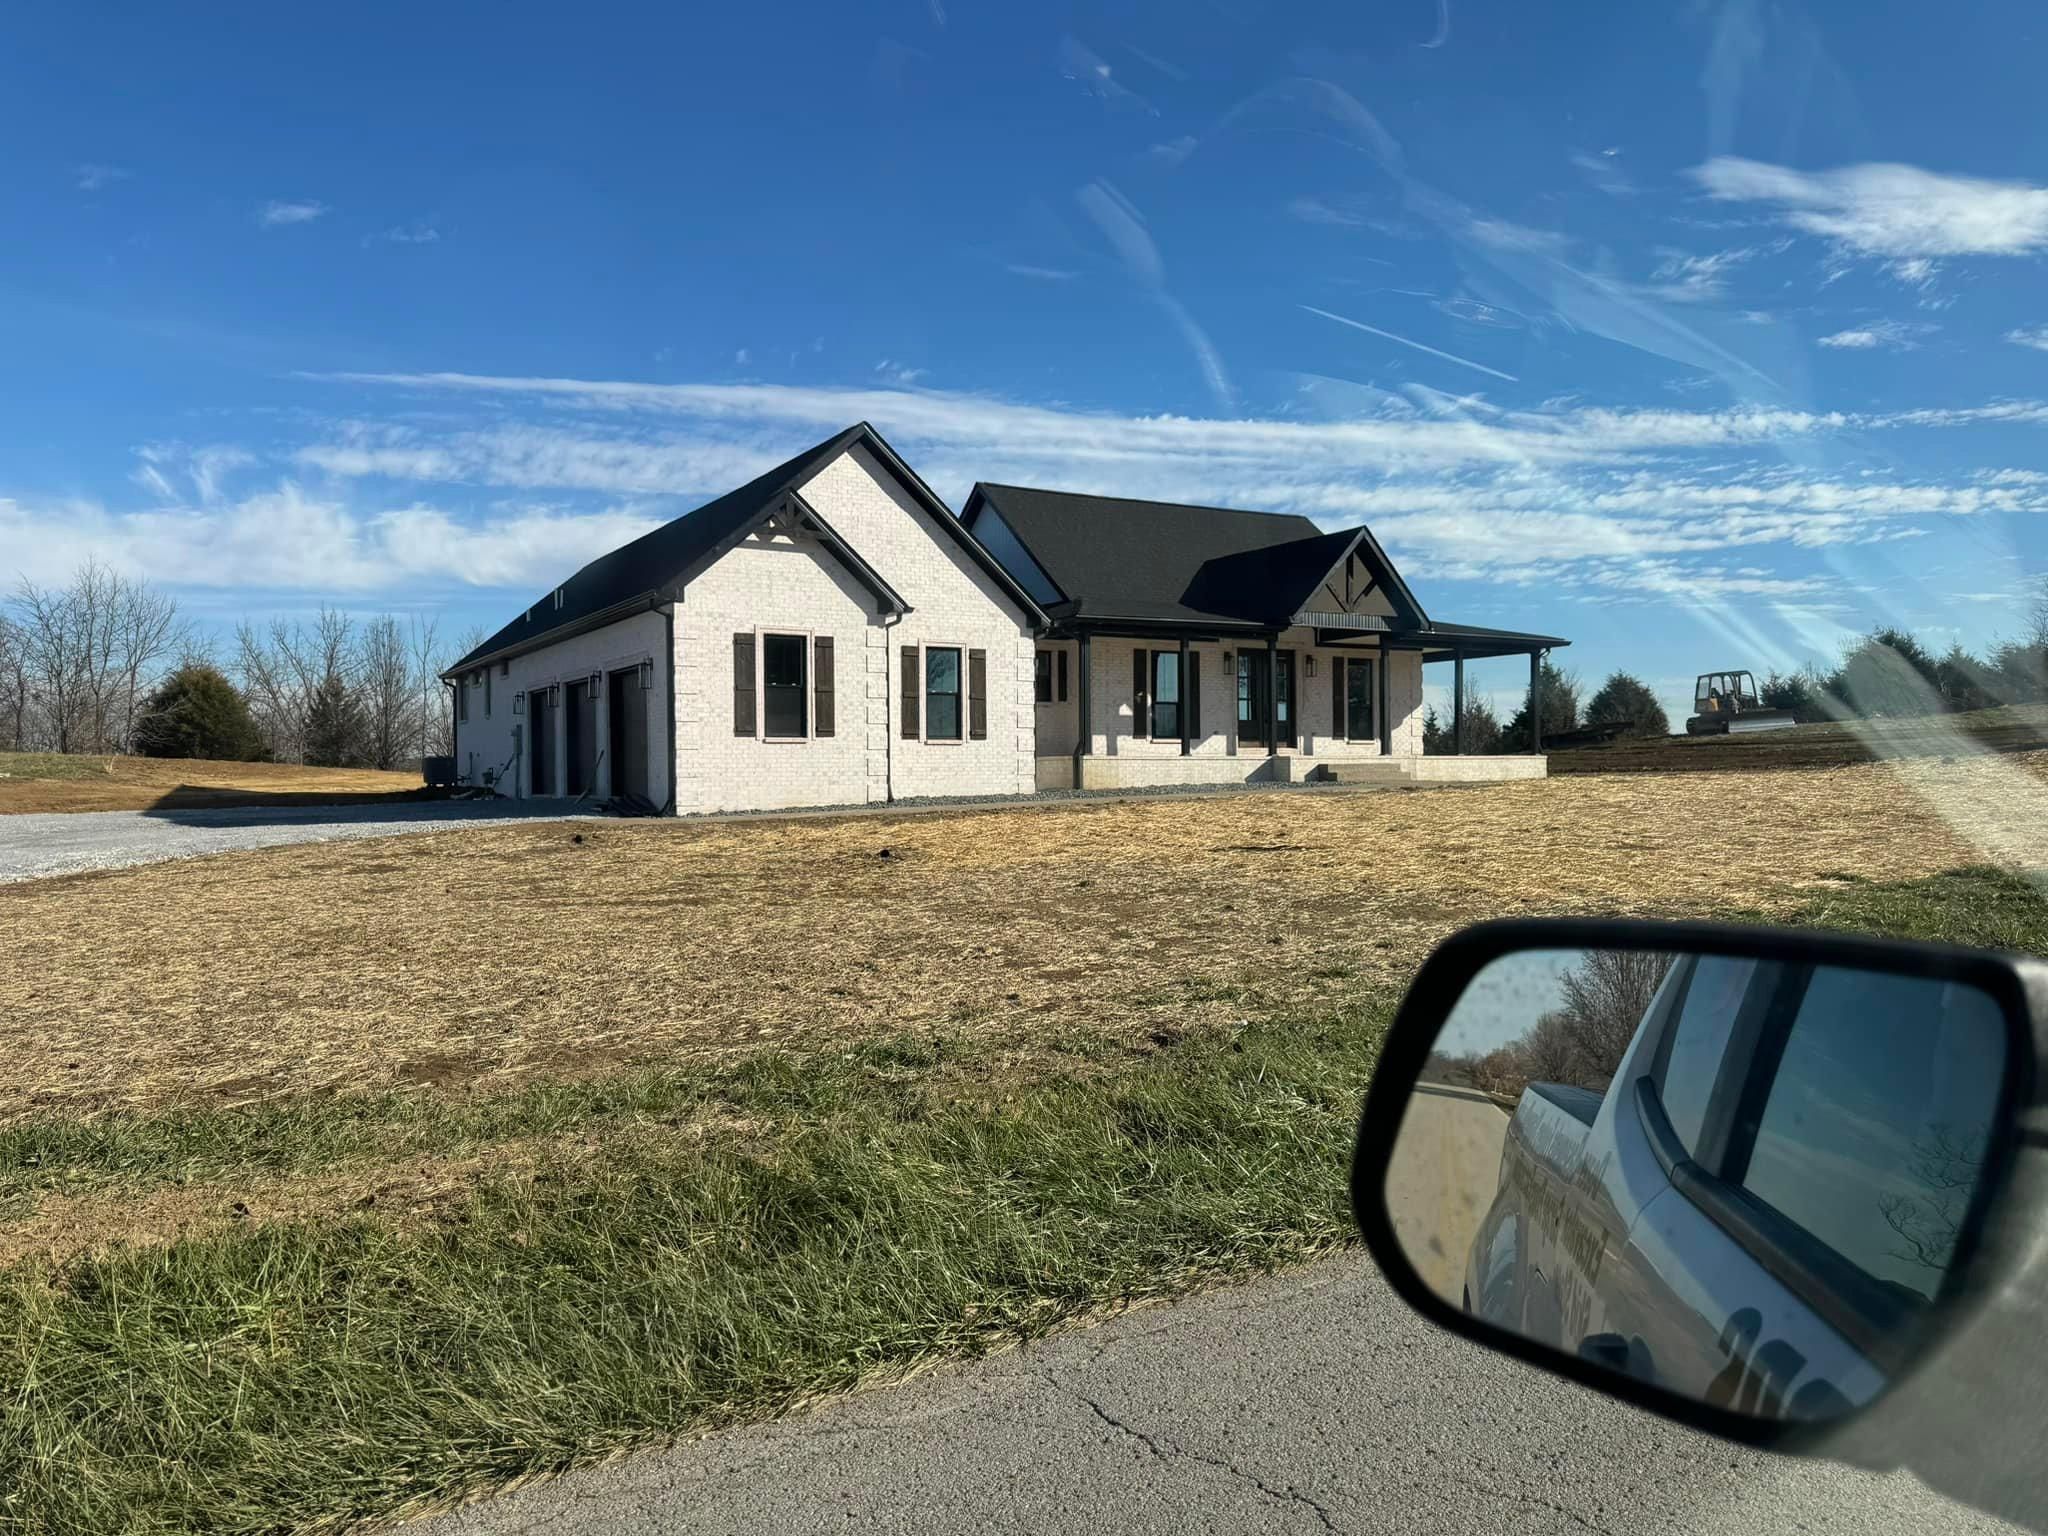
1581 1041
107 663
1887 673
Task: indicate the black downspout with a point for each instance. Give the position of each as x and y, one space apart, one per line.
1458 703
668 629
1272 695
888 724
1084 744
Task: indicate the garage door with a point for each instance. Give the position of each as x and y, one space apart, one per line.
629 734
540 735
580 721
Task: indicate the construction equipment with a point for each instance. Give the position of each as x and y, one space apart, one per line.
1726 703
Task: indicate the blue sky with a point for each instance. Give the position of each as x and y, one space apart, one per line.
1705 335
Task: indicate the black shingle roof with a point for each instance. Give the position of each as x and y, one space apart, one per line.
658 559
656 565
1114 558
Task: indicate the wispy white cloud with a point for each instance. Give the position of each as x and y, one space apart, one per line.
1685 279
278 214
204 470
1579 501
1899 212
417 233
1041 274
2035 336
287 539
1604 172
91 178
1313 210
1892 335
1172 152
898 373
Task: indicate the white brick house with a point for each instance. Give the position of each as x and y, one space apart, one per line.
830 634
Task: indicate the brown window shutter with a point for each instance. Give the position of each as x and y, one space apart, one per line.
1193 691
743 685
910 693
821 686
1141 725
1339 726
1060 660
977 695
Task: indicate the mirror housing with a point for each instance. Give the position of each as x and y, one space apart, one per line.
1991 1249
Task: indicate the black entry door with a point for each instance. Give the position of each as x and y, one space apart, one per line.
629 734
580 720
1252 686
540 736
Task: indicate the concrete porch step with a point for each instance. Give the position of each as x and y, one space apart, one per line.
1390 771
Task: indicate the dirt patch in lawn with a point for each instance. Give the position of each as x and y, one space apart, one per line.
501 952
49 781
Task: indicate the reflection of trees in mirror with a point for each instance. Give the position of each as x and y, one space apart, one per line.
1580 1042
1947 1166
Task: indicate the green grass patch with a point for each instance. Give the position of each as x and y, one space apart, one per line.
306 1374
52 765
1980 906
741 1240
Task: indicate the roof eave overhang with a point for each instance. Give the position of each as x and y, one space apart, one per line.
642 603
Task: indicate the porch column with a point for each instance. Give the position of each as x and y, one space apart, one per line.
1385 710
1458 703
1272 695
1084 743
1535 701
1186 739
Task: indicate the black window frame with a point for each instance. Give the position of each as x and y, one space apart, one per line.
769 641
1060 676
1041 677
958 696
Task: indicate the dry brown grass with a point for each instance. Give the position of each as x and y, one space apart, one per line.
499 952
38 781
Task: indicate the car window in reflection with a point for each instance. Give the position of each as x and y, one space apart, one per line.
1875 1129
1699 1040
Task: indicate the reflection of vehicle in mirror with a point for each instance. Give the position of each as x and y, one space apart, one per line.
1738 1177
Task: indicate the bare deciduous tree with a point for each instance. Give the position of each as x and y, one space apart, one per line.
1605 997
383 676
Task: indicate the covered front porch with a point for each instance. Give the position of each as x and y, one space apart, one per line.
1323 697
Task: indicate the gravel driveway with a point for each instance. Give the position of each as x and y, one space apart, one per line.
35 846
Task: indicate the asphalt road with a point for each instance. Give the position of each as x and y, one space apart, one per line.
1441 1179
1315 1402
35 846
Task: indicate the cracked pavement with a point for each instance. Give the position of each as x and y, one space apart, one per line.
1311 1402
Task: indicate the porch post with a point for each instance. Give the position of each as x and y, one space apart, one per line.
1186 740
1386 703
1084 743
1535 701
1272 695
1458 703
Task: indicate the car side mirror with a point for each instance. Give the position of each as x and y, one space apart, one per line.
1748 1178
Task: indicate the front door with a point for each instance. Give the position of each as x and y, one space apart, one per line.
1252 685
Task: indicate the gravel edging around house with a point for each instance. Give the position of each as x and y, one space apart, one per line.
1048 799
